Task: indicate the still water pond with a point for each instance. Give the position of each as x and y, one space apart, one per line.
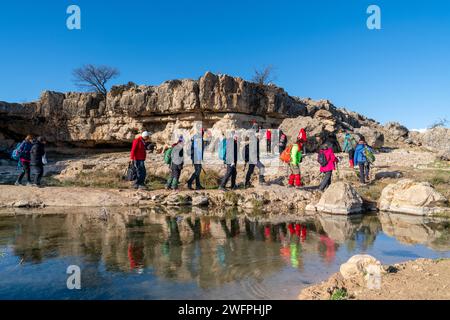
149 254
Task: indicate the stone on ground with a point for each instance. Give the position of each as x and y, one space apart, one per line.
411 197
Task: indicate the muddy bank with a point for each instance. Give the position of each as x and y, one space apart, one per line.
421 279
263 198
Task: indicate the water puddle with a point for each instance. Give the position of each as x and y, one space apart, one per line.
151 254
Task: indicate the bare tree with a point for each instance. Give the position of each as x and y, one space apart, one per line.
94 77
264 76
439 123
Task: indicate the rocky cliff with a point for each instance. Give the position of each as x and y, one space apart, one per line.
86 119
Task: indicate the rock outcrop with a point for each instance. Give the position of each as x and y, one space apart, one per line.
359 266
408 196
339 198
373 137
437 140
87 120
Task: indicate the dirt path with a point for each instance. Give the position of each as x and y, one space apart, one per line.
421 279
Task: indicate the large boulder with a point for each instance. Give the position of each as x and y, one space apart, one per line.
438 140
396 131
408 196
324 128
373 137
359 265
339 198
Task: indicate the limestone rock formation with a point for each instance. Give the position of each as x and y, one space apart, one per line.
408 196
438 140
396 131
339 198
84 118
358 266
374 138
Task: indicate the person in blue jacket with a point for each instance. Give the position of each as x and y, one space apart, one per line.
361 161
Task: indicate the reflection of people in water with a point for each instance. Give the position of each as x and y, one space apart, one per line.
233 231
135 244
296 234
174 239
136 255
196 228
329 253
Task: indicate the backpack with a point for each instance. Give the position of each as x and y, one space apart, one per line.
369 155
322 159
130 173
286 154
353 143
15 155
168 156
223 150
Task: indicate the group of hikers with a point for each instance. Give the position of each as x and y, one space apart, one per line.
30 154
360 154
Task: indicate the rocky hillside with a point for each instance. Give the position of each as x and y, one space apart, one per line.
220 101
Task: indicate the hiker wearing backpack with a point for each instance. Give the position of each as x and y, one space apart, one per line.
37 160
138 155
176 164
247 152
23 155
327 161
363 158
303 139
294 164
349 147
197 147
269 141
231 157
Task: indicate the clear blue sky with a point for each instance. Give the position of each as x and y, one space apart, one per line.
320 49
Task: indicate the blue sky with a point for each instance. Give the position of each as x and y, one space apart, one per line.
320 49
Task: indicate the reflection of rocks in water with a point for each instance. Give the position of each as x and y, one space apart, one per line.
35 238
433 233
360 230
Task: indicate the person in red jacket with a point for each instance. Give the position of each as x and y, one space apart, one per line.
137 155
269 140
303 138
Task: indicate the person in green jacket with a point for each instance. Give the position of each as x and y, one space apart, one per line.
294 165
349 147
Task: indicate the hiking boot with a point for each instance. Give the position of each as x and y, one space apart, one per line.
290 186
29 184
168 188
142 188
222 189
200 188
235 188
190 186
17 183
247 186
32 185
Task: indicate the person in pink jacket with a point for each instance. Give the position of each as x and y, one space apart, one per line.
327 161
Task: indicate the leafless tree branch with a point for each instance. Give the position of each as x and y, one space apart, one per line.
94 77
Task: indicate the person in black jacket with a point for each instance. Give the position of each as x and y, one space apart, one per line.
197 147
24 153
231 157
252 164
36 154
